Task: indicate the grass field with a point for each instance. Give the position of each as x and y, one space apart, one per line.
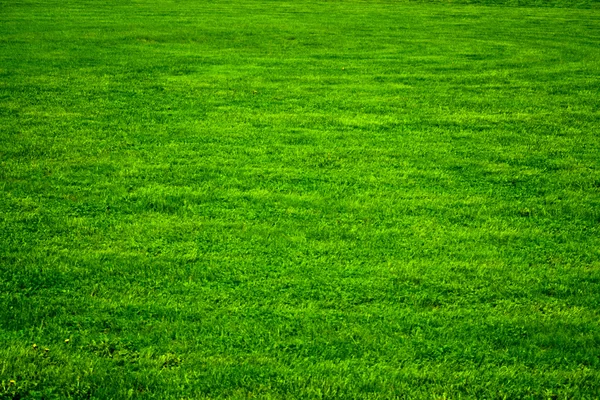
310 199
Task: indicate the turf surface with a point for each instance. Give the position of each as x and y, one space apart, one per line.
310 199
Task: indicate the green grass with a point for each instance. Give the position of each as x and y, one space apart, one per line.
310 199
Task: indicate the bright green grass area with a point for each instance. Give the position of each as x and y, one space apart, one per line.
299 199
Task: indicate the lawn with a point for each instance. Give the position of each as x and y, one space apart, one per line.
299 199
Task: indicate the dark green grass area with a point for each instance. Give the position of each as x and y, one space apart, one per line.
310 199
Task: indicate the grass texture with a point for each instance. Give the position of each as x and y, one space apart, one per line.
299 199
